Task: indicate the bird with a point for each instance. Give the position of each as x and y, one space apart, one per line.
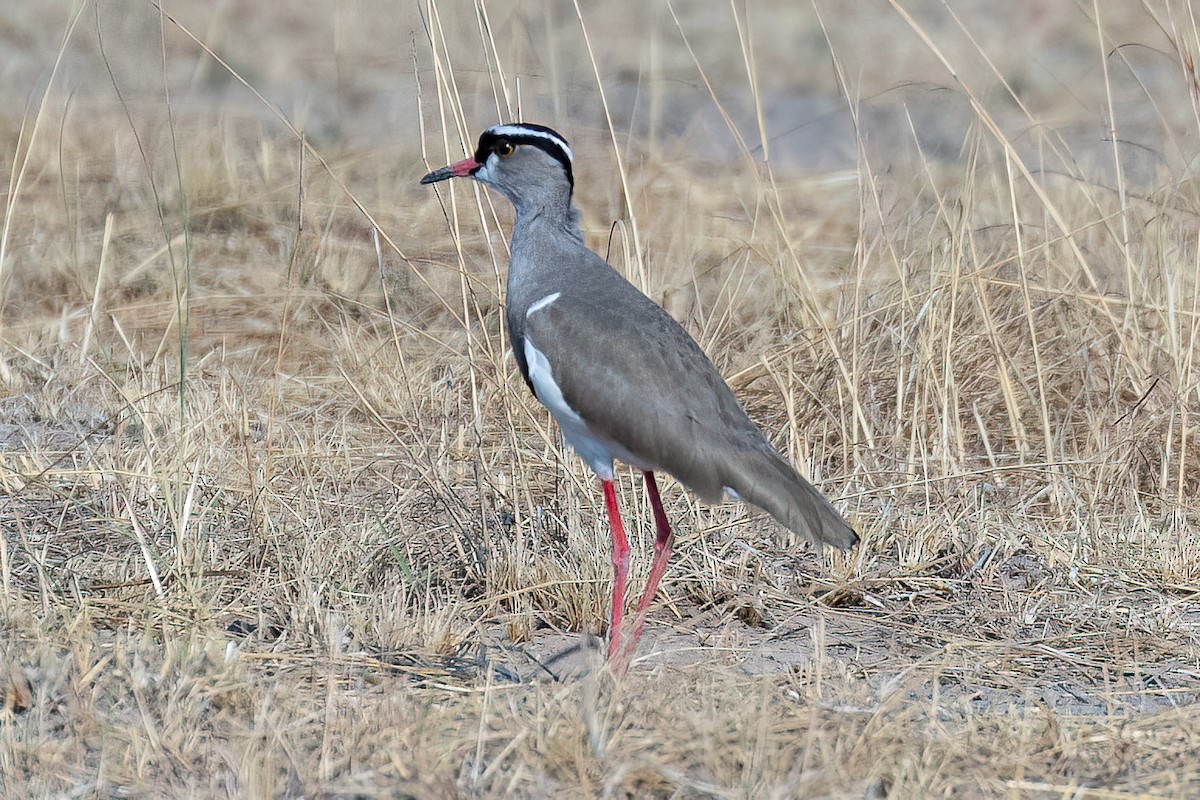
622 378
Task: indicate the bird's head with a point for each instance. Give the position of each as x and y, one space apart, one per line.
529 164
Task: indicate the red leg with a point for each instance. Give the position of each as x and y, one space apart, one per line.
664 541
620 560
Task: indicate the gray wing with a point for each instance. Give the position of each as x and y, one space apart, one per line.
636 377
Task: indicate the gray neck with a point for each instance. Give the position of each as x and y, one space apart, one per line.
553 211
547 248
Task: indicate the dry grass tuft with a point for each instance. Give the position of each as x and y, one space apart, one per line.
278 517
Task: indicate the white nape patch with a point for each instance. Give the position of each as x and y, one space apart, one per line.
521 130
732 495
540 304
594 452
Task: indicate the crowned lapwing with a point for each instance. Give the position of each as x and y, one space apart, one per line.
621 378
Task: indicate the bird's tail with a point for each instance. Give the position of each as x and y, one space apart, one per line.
773 485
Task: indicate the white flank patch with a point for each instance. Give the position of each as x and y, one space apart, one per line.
521 130
731 494
540 304
594 452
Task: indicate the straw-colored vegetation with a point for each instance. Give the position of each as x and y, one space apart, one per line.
279 518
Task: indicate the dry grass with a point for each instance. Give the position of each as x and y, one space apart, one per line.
280 519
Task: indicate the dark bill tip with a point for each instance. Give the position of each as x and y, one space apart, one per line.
438 175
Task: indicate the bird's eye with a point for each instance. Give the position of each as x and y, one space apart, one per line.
504 148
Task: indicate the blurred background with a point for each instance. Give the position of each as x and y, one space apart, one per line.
125 102
1054 76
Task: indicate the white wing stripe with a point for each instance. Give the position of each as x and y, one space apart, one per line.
540 304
